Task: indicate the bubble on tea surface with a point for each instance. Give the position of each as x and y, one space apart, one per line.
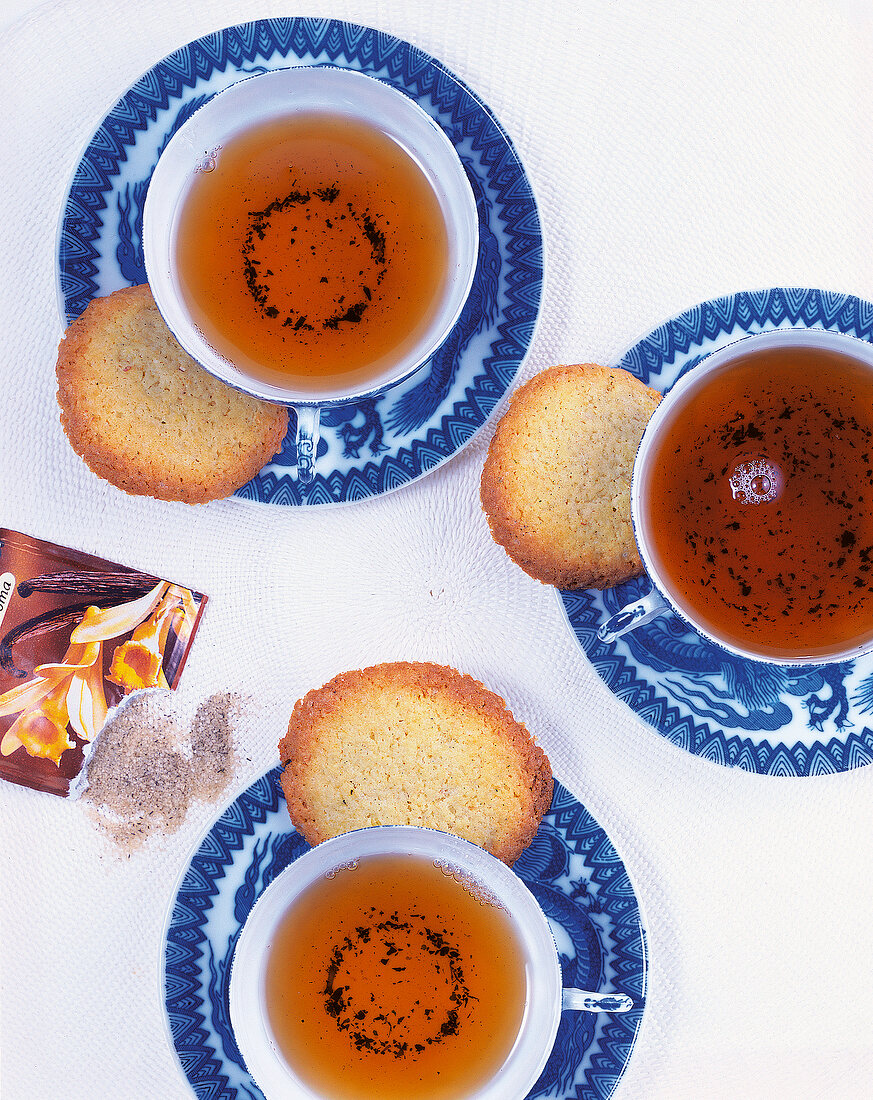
756 480
209 161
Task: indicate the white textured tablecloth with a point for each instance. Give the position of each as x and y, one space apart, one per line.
679 151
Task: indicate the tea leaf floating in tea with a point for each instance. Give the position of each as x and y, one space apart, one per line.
760 502
391 978
314 248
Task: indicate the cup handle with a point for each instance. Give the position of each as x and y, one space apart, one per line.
307 441
581 1000
633 615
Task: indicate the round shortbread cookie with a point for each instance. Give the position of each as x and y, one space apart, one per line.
414 744
149 419
556 481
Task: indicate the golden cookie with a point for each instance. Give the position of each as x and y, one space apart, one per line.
146 417
556 482
413 744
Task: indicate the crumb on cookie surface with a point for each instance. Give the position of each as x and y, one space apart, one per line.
413 744
555 486
149 419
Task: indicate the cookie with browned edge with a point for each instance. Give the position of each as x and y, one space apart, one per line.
410 743
556 481
149 419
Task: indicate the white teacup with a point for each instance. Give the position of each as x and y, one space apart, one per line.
758 479
294 93
485 877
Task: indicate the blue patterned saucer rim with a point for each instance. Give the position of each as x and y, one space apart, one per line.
378 444
801 721
571 867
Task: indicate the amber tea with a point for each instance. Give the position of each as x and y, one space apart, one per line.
312 248
757 502
390 979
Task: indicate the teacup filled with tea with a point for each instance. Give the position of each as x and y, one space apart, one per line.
310 237
752 499
394 962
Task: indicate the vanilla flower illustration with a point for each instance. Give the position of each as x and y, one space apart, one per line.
138 662
44 703
71 693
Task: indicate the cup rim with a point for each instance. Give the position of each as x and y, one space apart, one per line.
720 358
166 190
538 1029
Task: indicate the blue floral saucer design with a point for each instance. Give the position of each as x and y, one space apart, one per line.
381 443
571 867
795 721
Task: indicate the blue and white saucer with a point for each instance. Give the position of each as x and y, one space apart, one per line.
571 867
380 444
799 721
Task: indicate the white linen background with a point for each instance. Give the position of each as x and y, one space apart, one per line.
678 151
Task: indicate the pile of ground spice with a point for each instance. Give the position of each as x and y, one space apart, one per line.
146 771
